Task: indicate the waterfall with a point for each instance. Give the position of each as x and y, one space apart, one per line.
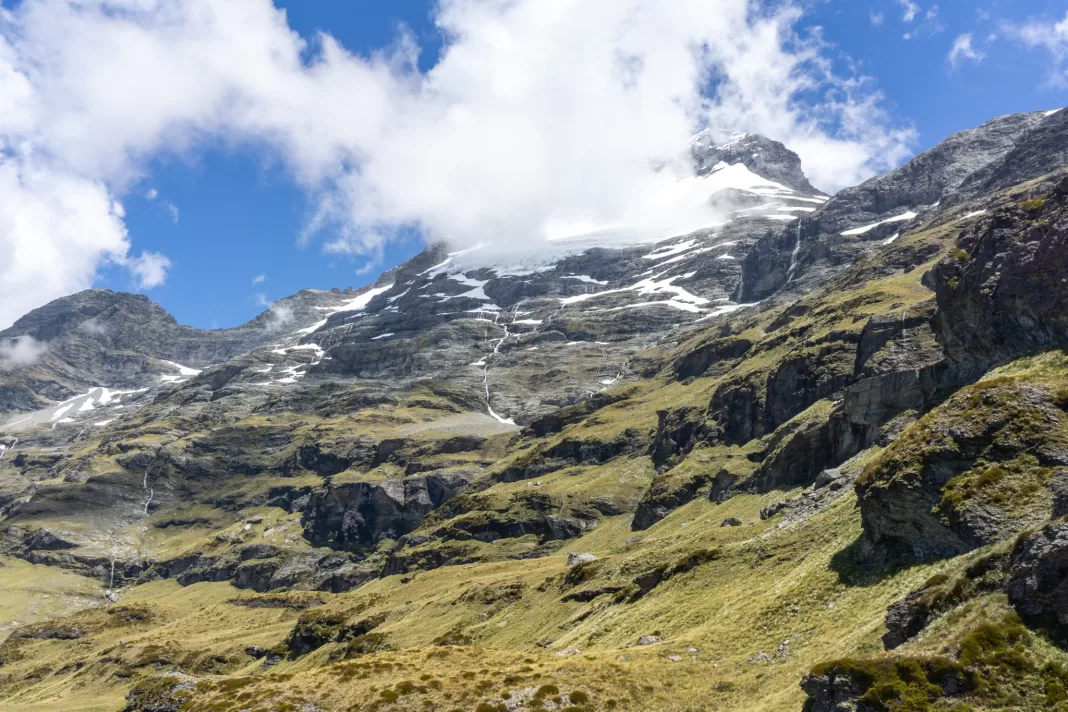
794 256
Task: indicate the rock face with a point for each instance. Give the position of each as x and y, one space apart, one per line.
764 157
356 517
941 489
1002 293
857 220
831 693
1038 586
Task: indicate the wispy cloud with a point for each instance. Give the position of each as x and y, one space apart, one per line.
963 50
259 279
930 24
911 10
149 269
877 18
1048 35
151 194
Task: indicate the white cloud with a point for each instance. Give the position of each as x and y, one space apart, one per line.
55 229
259 279
1050 36
877 18
20 351
172 210
149 270
539 113
911 10
262 300
151 194
279 316
963 50
94 326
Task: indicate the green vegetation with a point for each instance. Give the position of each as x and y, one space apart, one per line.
999 665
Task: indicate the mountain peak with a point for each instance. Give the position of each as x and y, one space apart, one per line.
767 158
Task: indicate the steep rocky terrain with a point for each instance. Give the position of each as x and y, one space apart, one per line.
814 455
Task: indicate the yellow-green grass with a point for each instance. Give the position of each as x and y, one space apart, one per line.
770 583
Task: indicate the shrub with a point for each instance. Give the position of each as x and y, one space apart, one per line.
546 691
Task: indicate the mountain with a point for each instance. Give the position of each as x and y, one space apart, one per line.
812 456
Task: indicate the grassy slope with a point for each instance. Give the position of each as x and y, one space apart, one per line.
771 584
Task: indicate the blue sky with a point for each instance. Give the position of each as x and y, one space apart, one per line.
226 211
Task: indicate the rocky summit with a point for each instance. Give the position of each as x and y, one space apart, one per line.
813 456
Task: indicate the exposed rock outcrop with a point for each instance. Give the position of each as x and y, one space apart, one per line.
947 485
356 517
1038 584
1002 293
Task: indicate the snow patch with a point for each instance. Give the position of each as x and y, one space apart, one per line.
313 328
60 412
868 228
184 370
673 303
671 251
720 311
383 336
644 287
685 256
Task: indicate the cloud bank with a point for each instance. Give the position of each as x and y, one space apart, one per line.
541 117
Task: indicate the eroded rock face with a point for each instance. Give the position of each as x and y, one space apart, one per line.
1002 293
831 693
355 517
1038 586
976 470
761 155
958 169
571 452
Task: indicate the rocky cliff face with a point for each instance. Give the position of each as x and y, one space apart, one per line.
964 167
578 466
